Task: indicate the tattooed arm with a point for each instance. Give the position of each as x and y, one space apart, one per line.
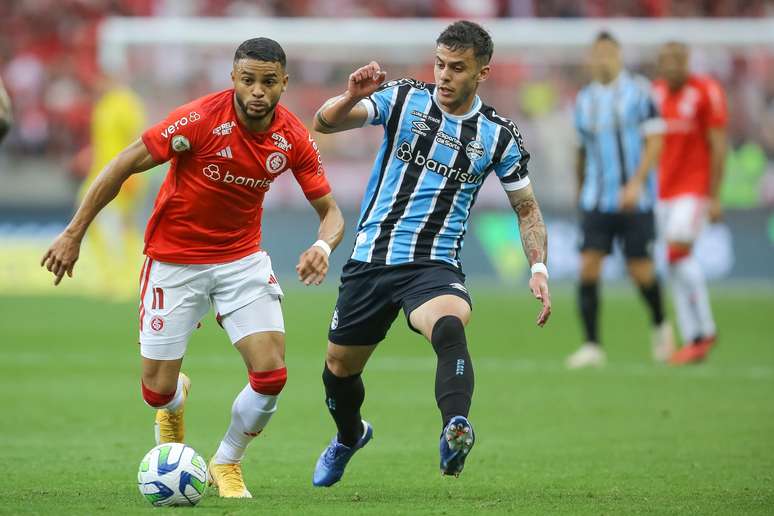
535 242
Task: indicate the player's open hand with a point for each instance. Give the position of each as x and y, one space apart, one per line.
312 266
61 257
366 80
538 284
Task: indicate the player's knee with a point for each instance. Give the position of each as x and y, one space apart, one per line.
342 366
270 383
448 333
156 399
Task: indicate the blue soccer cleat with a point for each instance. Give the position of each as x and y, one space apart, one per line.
457 440
330 466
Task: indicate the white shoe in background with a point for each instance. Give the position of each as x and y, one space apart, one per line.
663 342
589 355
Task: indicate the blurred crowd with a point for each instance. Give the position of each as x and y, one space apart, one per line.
48 61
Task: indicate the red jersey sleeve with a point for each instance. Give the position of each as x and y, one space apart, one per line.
715 110
178 132
308 168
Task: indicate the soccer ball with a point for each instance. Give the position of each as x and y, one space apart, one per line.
172 474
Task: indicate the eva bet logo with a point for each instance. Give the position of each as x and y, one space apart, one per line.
192 117
216 175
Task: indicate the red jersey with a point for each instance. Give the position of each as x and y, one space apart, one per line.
689 112
209 207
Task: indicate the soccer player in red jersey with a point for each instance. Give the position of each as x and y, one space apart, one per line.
694 108
203 243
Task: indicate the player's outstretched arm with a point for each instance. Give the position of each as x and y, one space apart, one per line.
534 239
313 263
343 112
63 253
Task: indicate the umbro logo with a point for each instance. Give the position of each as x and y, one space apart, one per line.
225 152
420 127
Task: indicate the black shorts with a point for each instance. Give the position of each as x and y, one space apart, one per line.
370 296
636 231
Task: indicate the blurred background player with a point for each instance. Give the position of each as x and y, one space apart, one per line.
6 116
440 143
203 243
620 139
690 174
115 237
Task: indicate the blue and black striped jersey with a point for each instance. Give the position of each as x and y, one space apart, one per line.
428 172
611 121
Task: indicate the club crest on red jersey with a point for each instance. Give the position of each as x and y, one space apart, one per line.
276 162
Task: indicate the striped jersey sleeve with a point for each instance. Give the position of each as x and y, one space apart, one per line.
382 102
511 157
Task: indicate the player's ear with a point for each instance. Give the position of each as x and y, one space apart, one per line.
285 82
233 77
483 74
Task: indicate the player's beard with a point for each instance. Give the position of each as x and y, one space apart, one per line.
256 118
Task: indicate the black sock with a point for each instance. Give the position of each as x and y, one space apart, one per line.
454 373
588 303
344 396
652 296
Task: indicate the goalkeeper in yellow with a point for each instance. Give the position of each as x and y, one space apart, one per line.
115 238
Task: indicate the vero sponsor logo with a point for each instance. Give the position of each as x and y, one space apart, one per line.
172 128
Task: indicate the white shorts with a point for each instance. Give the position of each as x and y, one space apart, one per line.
175 297
682 219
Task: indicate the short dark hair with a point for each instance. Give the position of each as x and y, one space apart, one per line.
261 49
463 34
606 36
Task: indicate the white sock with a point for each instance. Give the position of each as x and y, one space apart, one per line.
176 401
687 321
690 272
250 413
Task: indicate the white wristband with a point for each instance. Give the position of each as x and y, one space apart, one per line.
539 267
322 244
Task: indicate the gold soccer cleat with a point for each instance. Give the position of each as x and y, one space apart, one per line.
169 427
228 479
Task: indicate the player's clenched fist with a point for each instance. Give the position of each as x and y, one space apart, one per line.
365 80
312 266
61 257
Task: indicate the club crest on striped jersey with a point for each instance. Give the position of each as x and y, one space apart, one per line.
276 162
474 150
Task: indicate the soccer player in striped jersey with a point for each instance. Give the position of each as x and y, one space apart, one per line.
440 143
620 135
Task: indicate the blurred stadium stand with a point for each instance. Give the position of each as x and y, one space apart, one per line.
50 62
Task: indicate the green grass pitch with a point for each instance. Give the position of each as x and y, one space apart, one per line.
633 438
